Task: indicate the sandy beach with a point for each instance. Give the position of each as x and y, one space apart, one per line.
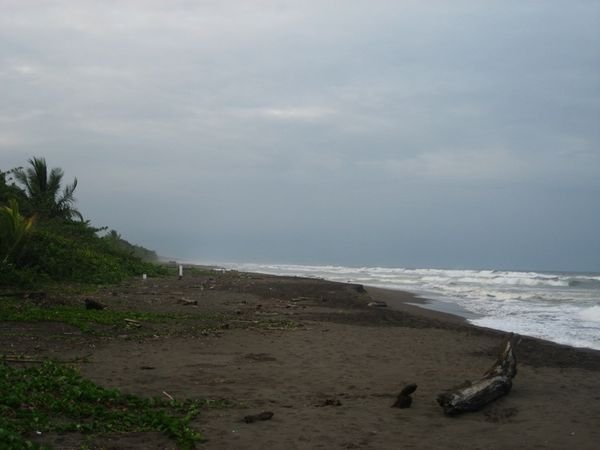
327 365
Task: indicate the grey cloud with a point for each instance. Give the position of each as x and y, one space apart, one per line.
314 130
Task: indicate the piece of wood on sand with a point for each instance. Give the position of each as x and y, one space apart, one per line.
495 383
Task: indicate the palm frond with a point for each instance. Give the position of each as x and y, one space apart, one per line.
69 190
43 190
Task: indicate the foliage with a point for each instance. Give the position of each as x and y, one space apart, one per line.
55 398
9 190
58 248
43 190
115 239
14 229
67 256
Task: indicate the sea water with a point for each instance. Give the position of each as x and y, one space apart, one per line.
557 306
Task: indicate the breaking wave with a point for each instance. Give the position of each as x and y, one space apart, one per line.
558 306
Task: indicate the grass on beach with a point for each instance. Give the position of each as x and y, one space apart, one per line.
84 319
92 321
55 398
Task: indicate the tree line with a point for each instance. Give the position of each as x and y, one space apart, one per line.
44 238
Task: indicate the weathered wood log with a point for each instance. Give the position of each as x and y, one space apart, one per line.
495 383
404 400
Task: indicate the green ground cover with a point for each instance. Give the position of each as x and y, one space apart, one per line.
55 398
85 319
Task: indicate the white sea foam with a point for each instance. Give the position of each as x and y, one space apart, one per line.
561 307
591 314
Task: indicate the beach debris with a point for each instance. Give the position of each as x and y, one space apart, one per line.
93 304
132 323
187 301
404 399
35 295
209 284
377 304
329 402
496 382
265 415
359 288
169 396
260 357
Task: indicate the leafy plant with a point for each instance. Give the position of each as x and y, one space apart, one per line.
58 248
56 398
8 189
115 240
14 229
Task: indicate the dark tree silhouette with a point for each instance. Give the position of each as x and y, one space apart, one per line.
43 190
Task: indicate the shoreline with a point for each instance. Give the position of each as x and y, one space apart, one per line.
415 304
537 351
404 301
559 307
409 302
327 365
412 303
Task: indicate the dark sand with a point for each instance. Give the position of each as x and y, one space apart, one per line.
327 365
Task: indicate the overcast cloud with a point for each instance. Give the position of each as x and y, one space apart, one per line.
400 133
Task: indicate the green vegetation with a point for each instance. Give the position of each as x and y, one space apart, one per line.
45 242
43 193
77 316
44 239
14 229
115 240
55 398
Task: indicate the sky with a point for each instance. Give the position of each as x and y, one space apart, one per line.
450 134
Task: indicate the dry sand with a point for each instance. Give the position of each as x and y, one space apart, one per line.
328 366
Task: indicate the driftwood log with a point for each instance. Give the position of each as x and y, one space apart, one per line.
495 383
404 399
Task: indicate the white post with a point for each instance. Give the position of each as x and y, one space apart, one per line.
180 271
144 276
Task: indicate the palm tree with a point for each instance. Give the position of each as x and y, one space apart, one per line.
43 190
14 229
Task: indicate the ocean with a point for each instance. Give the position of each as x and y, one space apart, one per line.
561 307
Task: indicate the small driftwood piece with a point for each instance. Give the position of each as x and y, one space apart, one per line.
495 383
265 415
187 301
132 323
404 399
